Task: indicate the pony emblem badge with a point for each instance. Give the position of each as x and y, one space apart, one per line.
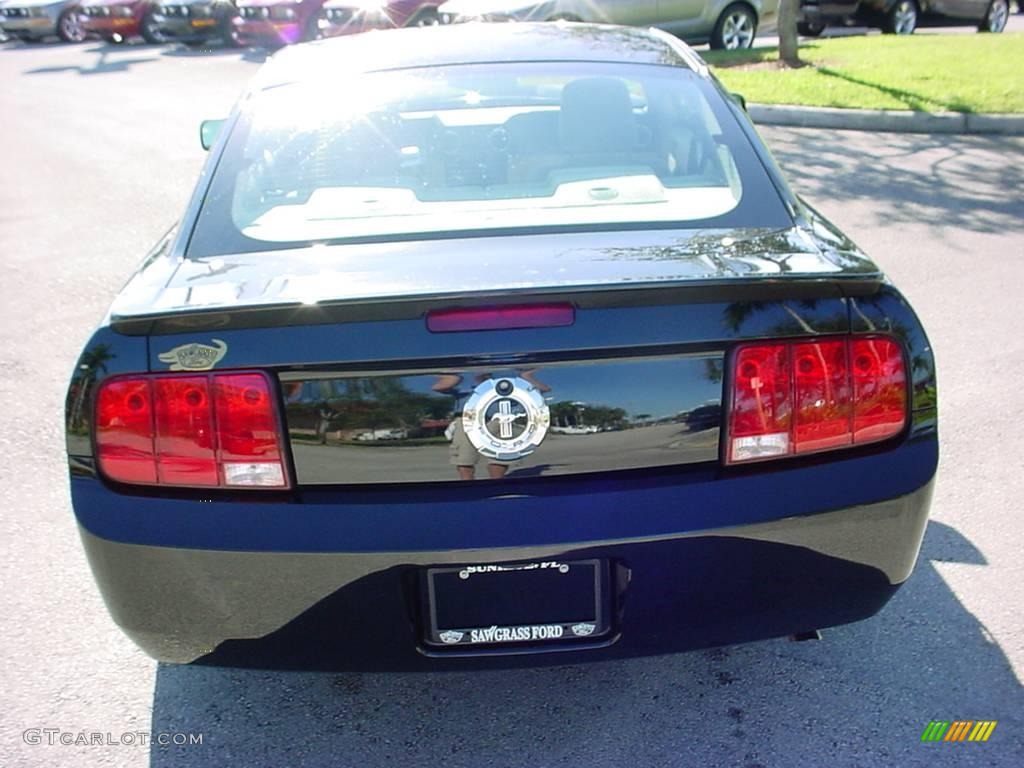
194 357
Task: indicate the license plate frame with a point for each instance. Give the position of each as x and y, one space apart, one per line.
579 589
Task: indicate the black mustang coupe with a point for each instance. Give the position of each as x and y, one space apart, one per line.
412 384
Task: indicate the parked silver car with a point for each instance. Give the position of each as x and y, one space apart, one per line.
722 23
32 20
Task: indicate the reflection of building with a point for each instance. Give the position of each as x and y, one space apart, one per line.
578 418
576 430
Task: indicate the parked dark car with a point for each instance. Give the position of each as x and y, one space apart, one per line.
197 22
273 23
902 17
345 17
816 15
35 20
318 427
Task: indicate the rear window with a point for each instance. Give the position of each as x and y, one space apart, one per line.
479 149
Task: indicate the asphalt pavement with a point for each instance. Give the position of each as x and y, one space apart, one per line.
99 149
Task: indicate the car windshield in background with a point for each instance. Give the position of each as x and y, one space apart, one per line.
470 149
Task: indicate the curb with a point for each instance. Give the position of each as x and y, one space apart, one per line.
886 120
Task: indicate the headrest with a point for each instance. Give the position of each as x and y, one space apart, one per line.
597 116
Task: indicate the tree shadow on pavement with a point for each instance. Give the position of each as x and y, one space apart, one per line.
861 697
944 181
23 45
257 55
107 62
914 101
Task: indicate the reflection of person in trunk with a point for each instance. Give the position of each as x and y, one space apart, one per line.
464 455
324 417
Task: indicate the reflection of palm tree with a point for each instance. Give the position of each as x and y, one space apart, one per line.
713 370
737 313
91 364
860 313
732 253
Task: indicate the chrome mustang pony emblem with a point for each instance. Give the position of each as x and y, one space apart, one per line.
194 357
506 419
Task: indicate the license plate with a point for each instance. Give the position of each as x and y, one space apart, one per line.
203 22
526 603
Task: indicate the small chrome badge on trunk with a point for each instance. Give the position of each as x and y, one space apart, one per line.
194 357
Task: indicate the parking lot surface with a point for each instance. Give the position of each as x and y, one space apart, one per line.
100 149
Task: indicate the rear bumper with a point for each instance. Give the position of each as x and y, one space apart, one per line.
690 586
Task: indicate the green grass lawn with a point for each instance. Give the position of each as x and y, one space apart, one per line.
925 73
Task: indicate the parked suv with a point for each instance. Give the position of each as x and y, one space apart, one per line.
721 23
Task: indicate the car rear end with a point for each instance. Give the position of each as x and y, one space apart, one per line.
301 544
506 444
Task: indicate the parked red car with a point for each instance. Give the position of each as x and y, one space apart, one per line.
274 23
117 20
344 17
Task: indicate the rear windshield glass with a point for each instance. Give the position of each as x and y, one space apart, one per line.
479 149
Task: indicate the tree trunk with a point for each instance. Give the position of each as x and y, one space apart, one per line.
788 42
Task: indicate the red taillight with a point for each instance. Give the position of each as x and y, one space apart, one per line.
821 396
880 389
762 406
799 397
186 450
247 427
197 430
124 430
500 318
